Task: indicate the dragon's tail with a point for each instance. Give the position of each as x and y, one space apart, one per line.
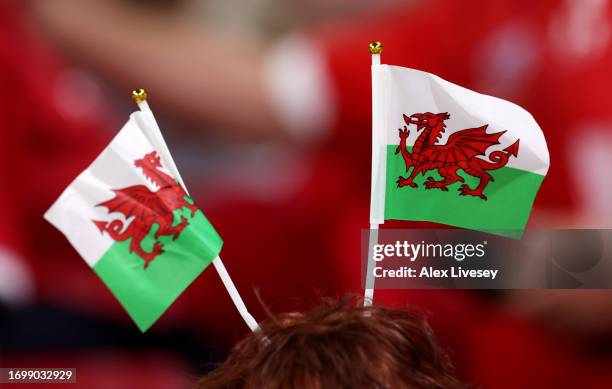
499 158
116 229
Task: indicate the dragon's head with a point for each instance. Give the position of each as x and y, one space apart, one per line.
429 120
150 161
152 169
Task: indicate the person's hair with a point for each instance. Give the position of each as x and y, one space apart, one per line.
338 345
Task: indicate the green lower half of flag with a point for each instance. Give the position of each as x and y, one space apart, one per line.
505 212
147 293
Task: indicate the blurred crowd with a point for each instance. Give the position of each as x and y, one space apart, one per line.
266 107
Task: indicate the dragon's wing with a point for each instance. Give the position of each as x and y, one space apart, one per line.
132 201
461 146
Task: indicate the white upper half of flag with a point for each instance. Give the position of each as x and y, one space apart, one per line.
77 207
407 91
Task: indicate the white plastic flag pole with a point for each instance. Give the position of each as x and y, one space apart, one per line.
368 296
155 136
233 292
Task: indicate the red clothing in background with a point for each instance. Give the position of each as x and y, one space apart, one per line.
51 129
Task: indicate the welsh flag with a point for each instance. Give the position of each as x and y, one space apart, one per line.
130 218
446 154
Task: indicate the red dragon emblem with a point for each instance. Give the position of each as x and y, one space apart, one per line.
147 207
462 150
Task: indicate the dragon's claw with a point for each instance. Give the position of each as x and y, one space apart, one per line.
401 181
466 190
158 248
184 223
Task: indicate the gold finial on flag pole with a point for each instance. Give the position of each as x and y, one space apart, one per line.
376 47
139 95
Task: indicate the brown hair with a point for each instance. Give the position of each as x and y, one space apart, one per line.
338 345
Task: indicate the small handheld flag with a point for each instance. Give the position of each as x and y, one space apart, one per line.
131 219
446 154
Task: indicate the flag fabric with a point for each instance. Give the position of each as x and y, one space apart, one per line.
446 154
130 218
